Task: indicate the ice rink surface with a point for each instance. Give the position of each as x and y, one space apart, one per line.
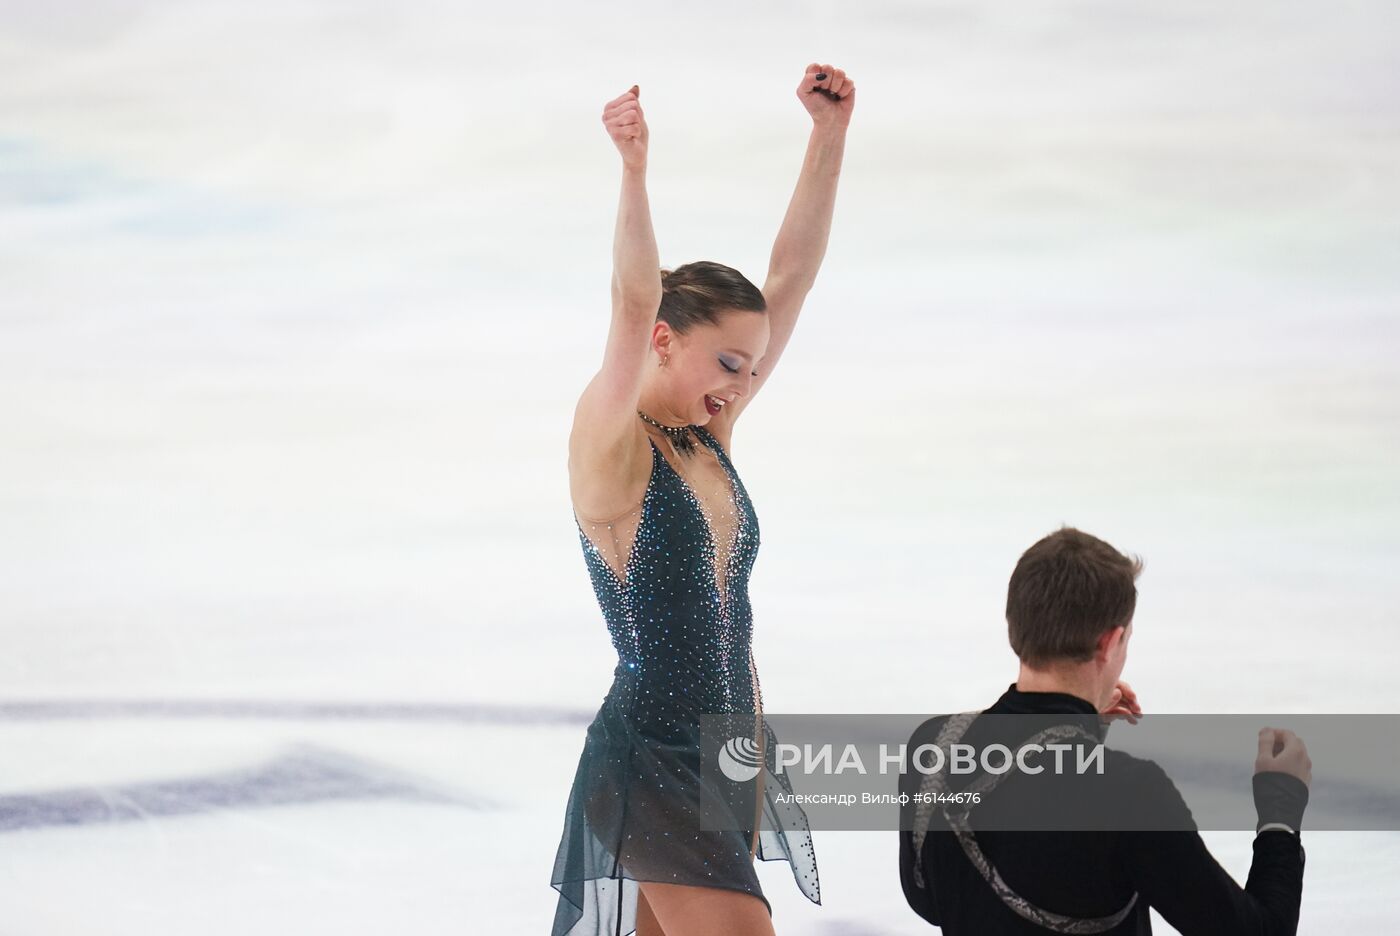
298 301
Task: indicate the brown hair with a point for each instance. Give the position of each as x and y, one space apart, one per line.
1066 591
698 292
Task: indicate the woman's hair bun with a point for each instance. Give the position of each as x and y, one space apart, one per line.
697 293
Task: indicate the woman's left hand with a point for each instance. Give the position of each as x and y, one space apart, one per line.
832 108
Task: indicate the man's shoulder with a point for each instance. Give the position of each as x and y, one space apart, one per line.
1143 773
1137 793
928 730
1139 770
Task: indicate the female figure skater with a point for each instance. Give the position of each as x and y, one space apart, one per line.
669 537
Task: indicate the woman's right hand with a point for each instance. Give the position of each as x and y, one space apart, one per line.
628 128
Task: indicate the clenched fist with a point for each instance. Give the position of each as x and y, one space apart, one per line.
628 128
829 95
1285 752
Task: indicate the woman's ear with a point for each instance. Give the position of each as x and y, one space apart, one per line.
661 339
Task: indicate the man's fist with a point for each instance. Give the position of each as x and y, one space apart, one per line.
1284 752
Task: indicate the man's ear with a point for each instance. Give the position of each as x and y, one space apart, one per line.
1108 641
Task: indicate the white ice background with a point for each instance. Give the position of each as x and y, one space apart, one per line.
296 300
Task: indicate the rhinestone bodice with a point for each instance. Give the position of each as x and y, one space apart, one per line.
679 613
676 603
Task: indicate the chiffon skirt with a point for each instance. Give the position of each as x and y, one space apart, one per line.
640 809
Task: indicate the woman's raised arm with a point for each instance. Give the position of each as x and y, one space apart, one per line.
636 264
605 420
829 95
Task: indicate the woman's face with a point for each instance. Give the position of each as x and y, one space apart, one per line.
711 366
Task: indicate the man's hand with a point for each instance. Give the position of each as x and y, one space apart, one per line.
1123 704
1283 751
830 98
628 128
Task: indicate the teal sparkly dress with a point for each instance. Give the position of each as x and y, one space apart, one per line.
679 616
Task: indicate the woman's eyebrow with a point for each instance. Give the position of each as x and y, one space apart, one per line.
735 351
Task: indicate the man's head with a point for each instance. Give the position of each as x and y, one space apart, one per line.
1069 607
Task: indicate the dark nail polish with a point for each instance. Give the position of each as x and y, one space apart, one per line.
822 76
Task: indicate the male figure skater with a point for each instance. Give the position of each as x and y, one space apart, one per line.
1069 609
